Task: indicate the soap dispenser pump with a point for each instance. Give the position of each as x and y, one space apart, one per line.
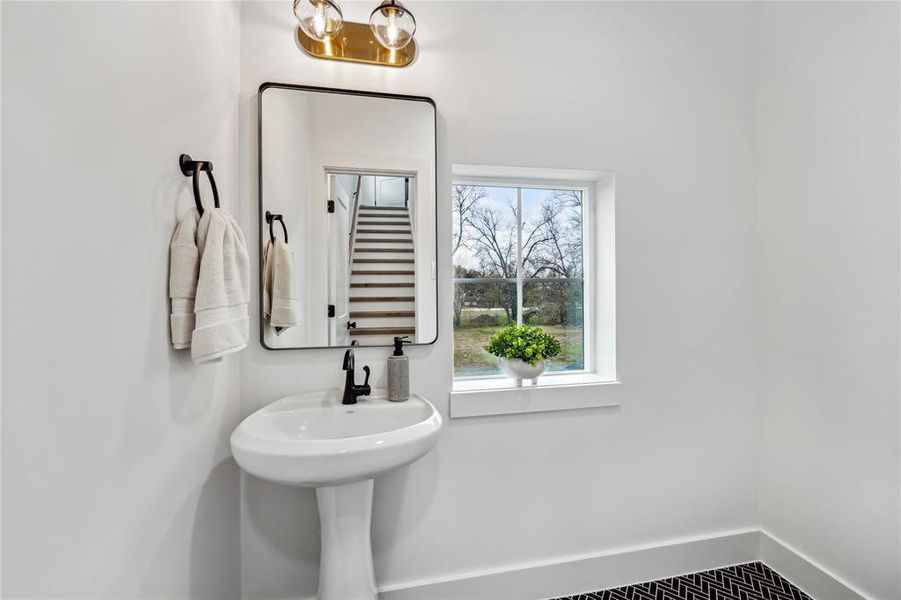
398 372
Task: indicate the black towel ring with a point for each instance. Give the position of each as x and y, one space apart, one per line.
270 217
192 168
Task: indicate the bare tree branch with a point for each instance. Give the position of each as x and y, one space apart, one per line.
465 199
558 236
494 239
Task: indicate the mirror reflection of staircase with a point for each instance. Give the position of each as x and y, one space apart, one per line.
382 282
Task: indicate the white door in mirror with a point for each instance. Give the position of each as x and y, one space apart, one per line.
313 440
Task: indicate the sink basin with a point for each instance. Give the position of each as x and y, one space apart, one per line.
313 440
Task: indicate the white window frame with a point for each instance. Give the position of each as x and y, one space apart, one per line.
587 282
596 385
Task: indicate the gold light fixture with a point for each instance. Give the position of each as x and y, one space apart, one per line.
387 40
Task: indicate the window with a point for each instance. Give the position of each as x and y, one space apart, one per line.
518 259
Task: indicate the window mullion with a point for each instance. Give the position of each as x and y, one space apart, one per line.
519 256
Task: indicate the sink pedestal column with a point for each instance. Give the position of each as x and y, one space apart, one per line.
345 571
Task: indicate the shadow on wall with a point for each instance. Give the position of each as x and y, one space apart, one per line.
396 512
212 566
217 525
285 520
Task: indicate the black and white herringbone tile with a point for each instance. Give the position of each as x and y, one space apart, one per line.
751 581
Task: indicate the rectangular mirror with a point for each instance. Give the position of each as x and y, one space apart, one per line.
348 179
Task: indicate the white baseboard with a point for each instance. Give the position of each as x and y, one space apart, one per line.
587 572
624 566
813 579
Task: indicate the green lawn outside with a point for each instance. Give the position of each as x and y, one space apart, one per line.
470 358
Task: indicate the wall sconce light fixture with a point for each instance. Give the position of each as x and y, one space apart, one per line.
387 40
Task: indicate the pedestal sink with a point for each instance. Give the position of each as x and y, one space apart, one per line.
313 440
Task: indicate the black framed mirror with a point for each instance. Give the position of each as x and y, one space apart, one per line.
348 218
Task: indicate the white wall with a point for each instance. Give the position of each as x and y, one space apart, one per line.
117 476
663 95
828 179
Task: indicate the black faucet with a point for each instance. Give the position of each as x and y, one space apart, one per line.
351 389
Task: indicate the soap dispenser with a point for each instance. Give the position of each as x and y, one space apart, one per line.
398 373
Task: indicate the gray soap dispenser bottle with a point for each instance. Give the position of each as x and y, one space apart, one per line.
398 373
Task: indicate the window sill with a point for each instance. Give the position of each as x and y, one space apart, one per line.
486 397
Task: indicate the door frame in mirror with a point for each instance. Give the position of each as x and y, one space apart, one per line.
260 209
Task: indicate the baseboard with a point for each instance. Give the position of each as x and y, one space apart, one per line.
623 566
587 572
814 579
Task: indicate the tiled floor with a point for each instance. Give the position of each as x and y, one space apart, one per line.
751 581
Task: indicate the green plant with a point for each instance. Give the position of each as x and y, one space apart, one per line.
531 344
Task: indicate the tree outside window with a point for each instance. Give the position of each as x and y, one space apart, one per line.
518 257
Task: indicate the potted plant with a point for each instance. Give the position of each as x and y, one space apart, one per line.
523 351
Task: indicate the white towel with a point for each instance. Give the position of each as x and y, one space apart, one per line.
267 279
184 260
281 302
222 325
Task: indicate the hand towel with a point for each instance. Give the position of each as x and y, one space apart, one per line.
184 260
284 301
267 279
222 324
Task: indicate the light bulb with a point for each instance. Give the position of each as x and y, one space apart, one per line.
391 30
319 22
392 24
319 19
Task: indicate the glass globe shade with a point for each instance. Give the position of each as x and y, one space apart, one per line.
392 24
319 19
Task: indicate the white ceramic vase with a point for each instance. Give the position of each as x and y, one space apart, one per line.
519 369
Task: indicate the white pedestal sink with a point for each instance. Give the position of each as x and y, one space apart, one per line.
313 440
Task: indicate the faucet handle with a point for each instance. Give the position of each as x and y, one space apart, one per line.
366 381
